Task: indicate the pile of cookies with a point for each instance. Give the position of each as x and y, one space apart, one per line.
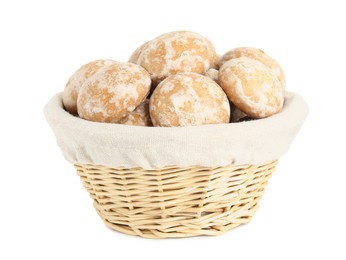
177 79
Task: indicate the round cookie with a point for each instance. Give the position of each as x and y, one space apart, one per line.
188 99
113 92
213 74
70 94
140 116
135 55
238 116
252 87
174 52
259 55
217 62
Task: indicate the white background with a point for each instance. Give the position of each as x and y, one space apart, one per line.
45 211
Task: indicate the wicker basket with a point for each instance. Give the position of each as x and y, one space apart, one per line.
144 197
176 202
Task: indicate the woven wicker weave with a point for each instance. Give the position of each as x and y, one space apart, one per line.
176 202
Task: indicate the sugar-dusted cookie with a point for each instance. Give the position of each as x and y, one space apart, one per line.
252 86
237 115
134 57
113 92
217 63
259 55
140 116
187 99
213 74
70 94
174 52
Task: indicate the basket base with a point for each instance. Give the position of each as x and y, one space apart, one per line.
176 202
184 232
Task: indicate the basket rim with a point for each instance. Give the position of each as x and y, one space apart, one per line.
252 142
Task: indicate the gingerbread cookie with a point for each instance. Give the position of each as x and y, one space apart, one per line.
252 86
259 55
187 99
175 52
135 55
140 116
238 116
113 92
213 74
70 94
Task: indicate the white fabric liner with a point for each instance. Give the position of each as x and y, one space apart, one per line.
123 146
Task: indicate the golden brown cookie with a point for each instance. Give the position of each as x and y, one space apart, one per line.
252 87
213 74
140 116
113 92
217 62
70 94
187 99
258 55
174 52
134 57
237 115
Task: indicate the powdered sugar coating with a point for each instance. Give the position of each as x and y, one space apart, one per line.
78 78
113 92
237 115
259 55
140 116
135 55
217 62
213 74
187 99
252 87
175 52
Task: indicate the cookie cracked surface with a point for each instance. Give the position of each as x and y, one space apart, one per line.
187 99
252 87
113 92
174 52
259 55
76 81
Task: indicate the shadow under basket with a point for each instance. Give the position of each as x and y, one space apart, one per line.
176 202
